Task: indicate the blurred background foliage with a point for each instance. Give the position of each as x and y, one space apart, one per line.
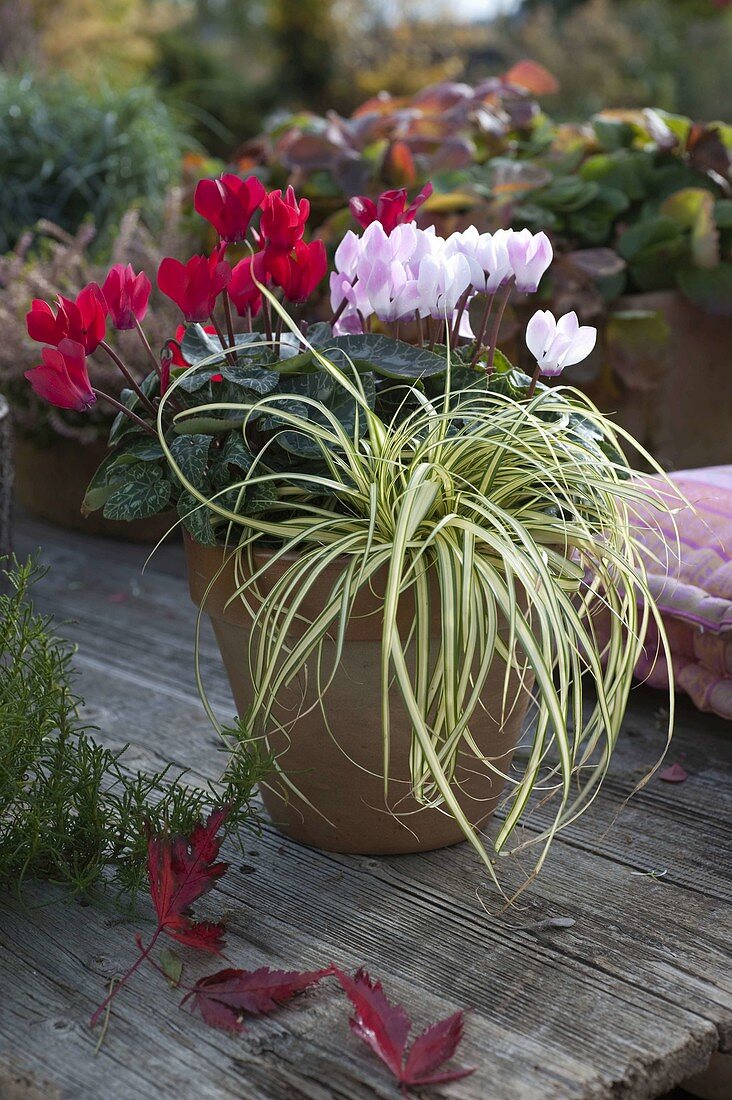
225 64
110 110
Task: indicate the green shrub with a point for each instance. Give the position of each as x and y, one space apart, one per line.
66 154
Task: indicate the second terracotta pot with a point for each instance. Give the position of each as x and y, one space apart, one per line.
340 773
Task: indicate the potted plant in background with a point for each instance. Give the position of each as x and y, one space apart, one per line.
637 204
397 535
57 450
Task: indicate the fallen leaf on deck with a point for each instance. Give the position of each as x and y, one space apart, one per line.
224 998
674 773
385 1027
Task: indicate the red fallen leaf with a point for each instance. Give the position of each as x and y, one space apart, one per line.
224 998
385 1028
182 869
674 773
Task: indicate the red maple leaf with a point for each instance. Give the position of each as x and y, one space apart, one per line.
180 870
385 1028
225 998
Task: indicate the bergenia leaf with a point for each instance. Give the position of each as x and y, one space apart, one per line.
225 998
182 869
385 1027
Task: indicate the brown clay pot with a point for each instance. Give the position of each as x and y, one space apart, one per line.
677 401
50 483
342 775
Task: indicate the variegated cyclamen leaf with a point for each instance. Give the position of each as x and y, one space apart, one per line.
145 492
190 454
196 519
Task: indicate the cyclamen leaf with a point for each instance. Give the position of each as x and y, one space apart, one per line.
385 1027
182 869
190 453
224 998
145 492
196 518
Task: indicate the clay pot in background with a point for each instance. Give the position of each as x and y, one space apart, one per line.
50 482
351 795
675 395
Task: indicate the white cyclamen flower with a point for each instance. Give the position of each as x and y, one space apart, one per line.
558 344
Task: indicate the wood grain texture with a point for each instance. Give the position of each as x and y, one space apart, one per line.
627 1002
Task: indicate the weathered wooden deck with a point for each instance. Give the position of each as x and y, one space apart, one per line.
627 1002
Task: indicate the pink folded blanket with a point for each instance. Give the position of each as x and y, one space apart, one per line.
690 575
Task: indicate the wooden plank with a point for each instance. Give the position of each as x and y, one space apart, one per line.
625 1003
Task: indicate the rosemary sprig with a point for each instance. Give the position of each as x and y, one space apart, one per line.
70 811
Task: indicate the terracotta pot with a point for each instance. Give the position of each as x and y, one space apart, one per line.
677 400
713 1083
50 483
342 775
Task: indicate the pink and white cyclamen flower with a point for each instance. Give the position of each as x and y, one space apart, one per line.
558 344
411 272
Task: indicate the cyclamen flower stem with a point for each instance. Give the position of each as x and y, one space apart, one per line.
229 321
126 372
420 328
144 952
146 344
267 317
493 339
462 303
483 326
230 356
250 327
534 380
128 412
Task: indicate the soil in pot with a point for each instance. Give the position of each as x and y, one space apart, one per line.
340 772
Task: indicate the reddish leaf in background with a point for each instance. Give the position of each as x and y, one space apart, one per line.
533 77
182 869
385 1028
224 998
674 773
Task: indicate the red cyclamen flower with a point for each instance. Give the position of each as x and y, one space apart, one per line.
83 319
126 295
299 272
283 220
390 208
228 203
62 378
195 285
243 291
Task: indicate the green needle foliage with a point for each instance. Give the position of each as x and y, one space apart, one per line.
70 811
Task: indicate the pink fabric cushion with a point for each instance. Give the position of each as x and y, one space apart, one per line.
689 567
